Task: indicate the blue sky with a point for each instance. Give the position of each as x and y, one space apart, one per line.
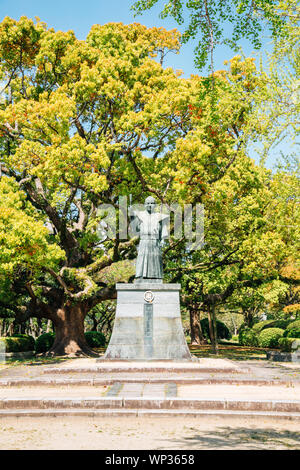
79 16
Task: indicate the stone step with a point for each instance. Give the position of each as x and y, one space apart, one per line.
149 370
195 367
92 381
149 403
110 412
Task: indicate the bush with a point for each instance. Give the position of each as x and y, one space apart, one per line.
248 337
269 337
292 333
30 340
262 325
288 344
293 324
17 343
222 330
95 339
44 342
258 327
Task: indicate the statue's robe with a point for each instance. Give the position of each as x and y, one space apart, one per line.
152 228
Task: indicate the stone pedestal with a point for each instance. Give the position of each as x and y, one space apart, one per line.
148 324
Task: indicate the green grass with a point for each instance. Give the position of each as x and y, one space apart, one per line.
229 351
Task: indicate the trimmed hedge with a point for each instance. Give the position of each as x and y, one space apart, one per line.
288 344
20 343
44 342
248 337
294 324
292 333
29 338
95 339
262 325
222 330
269 337
292 330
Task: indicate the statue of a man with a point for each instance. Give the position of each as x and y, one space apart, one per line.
152 229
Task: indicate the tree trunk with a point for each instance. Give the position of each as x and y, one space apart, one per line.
249 319
196 330
213 330
68 323
195 327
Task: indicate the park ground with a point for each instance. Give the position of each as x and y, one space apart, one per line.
136 433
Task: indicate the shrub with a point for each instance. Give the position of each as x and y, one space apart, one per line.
248 337
95 339
222 330
258 327
44 342
292 333
288 344
17 343
30 340
262 325
269 337
294 324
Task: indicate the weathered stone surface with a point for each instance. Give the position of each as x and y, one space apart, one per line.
148 330
283 356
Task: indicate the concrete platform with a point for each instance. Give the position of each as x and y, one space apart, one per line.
198 366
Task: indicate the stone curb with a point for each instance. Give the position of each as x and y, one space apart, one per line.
154 403
94 413
17 355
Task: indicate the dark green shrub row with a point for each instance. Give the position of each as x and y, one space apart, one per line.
18 343
94 339
266 334
44 342
267 338
222 330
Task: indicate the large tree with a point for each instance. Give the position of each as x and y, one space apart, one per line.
74 118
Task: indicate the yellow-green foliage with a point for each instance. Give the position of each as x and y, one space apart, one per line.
24 238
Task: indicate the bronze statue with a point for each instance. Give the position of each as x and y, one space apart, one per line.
152 229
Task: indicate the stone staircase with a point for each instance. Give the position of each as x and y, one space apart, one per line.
206 387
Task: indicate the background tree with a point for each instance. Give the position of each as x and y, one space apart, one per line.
220 22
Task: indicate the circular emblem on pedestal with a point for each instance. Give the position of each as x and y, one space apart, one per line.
149 296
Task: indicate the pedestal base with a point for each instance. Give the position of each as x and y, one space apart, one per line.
148 324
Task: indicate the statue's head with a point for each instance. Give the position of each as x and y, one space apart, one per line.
150 204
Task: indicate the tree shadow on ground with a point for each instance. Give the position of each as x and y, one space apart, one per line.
228 438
